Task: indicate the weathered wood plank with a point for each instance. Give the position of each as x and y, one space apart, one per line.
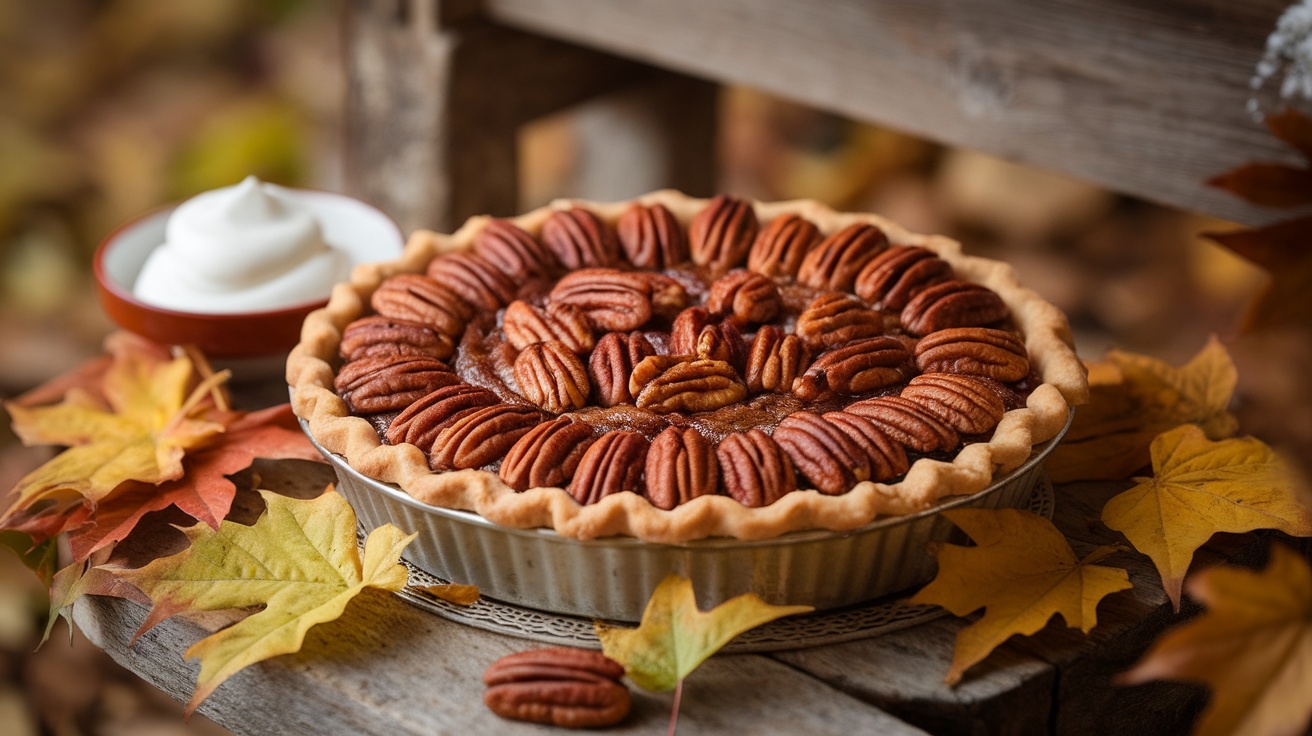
1142 98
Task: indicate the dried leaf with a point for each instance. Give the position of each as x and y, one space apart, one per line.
461 595
1022 572
1285 251
674 637
1253 647
1294 128
1200 488
1267 184
299 561
1132 399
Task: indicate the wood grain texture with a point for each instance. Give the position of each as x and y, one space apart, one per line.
1142 98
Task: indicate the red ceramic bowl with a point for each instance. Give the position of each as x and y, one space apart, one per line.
362 231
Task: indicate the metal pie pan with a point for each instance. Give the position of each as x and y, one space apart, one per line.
612 578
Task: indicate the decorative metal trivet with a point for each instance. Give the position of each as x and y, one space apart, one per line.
861 621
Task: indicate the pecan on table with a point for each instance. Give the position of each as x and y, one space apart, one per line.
888 459
898 273
664 384
612 363
782 246
824 454
651 237
552 377
978 351
525 324
681 465
834 264
612 464
837 318
953 303
965 403
614 300
481 436
378 335
580 239
754 469
421 422
744 297
416 298
776 360
547 455
907 422
855 368
721 234
472 278
514 251
381 383
558 686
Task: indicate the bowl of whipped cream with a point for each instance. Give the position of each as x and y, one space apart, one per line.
235 270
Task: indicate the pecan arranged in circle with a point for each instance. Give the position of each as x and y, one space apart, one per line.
580 239
552 377
834 264
978 351
651 237
558 686
965 403
888 459
612 464
898 273
613 300
421 422
547 455
681 465
478 282
378 335
476 438
417 298
518 254
694 333
782 245
776 360
721 234
907 422
612 363
663 384
744 298
754 469
855 368
824 454
950 304
837 318
525 324
380 383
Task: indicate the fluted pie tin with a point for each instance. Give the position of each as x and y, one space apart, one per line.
612 578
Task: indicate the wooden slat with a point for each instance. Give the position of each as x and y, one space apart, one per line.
1142 98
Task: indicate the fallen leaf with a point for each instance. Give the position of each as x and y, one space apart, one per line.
300 561
1267 184
1199 488
674 637
1281 250
1252 646
461 595
1022 572
1132 399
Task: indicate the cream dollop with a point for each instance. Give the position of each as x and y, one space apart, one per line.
249 247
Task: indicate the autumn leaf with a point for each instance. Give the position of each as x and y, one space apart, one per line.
300 561
1132 399
1268 184
1200 488
1252 646
1022 572
461 595
674 637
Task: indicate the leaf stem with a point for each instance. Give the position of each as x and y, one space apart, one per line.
674 709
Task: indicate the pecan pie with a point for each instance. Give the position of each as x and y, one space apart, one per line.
673 368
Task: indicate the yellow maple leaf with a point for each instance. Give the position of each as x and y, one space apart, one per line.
674 637
1132 399
1199 488
1022 572
300 561
1253 646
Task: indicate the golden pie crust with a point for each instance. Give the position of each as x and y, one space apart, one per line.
311 370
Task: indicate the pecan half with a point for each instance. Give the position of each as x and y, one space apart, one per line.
907 422
950 304
613 300
580 239
525 324
546 455
668 297
612 363
686 330
694 333
776 360
651 237
663 384
558 686
897 274
754 469
855 368
416 298
613 463
822 452
681 465
835 319
378 335
475 280
721 234
834 264
978 351
552 377
481 436
380 383
421 422
888 459
744 298
514 251
965 403
782 245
